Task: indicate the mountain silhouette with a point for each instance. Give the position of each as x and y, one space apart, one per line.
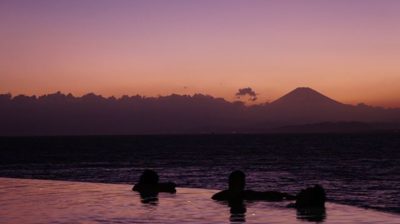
304 96
304 105
91 114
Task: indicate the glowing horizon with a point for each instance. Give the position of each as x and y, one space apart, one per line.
347 50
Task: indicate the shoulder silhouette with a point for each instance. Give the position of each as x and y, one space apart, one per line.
236 191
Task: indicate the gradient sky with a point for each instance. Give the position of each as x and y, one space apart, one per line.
348 50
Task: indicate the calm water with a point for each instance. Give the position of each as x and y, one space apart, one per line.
76 202
361 170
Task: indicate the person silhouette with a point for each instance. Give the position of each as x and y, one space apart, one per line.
311 197
234 196
236 191
310 204
149 186
236 185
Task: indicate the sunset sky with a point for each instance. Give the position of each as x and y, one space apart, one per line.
348 50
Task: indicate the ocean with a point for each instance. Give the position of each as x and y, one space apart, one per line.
356 169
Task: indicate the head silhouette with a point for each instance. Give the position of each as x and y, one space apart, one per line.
311 197
237 181
149 177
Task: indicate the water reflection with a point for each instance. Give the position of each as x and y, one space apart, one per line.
238 211
74 202
311 214
149 198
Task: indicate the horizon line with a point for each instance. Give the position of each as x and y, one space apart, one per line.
247 103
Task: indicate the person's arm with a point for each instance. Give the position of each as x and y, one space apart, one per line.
220 196
167 187
136 187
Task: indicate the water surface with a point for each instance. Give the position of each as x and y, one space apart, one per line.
42 201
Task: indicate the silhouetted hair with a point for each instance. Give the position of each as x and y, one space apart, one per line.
149 177
311 197
237 180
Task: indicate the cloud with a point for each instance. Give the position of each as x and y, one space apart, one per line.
247 91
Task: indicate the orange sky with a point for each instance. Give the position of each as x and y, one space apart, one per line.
348 50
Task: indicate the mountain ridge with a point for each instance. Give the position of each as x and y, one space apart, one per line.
91 114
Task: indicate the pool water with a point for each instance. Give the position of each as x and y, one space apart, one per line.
47 201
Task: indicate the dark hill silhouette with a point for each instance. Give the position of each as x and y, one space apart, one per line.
91 114
304 105
304 96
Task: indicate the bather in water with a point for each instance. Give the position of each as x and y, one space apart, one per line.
149 187
312 197
310 204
